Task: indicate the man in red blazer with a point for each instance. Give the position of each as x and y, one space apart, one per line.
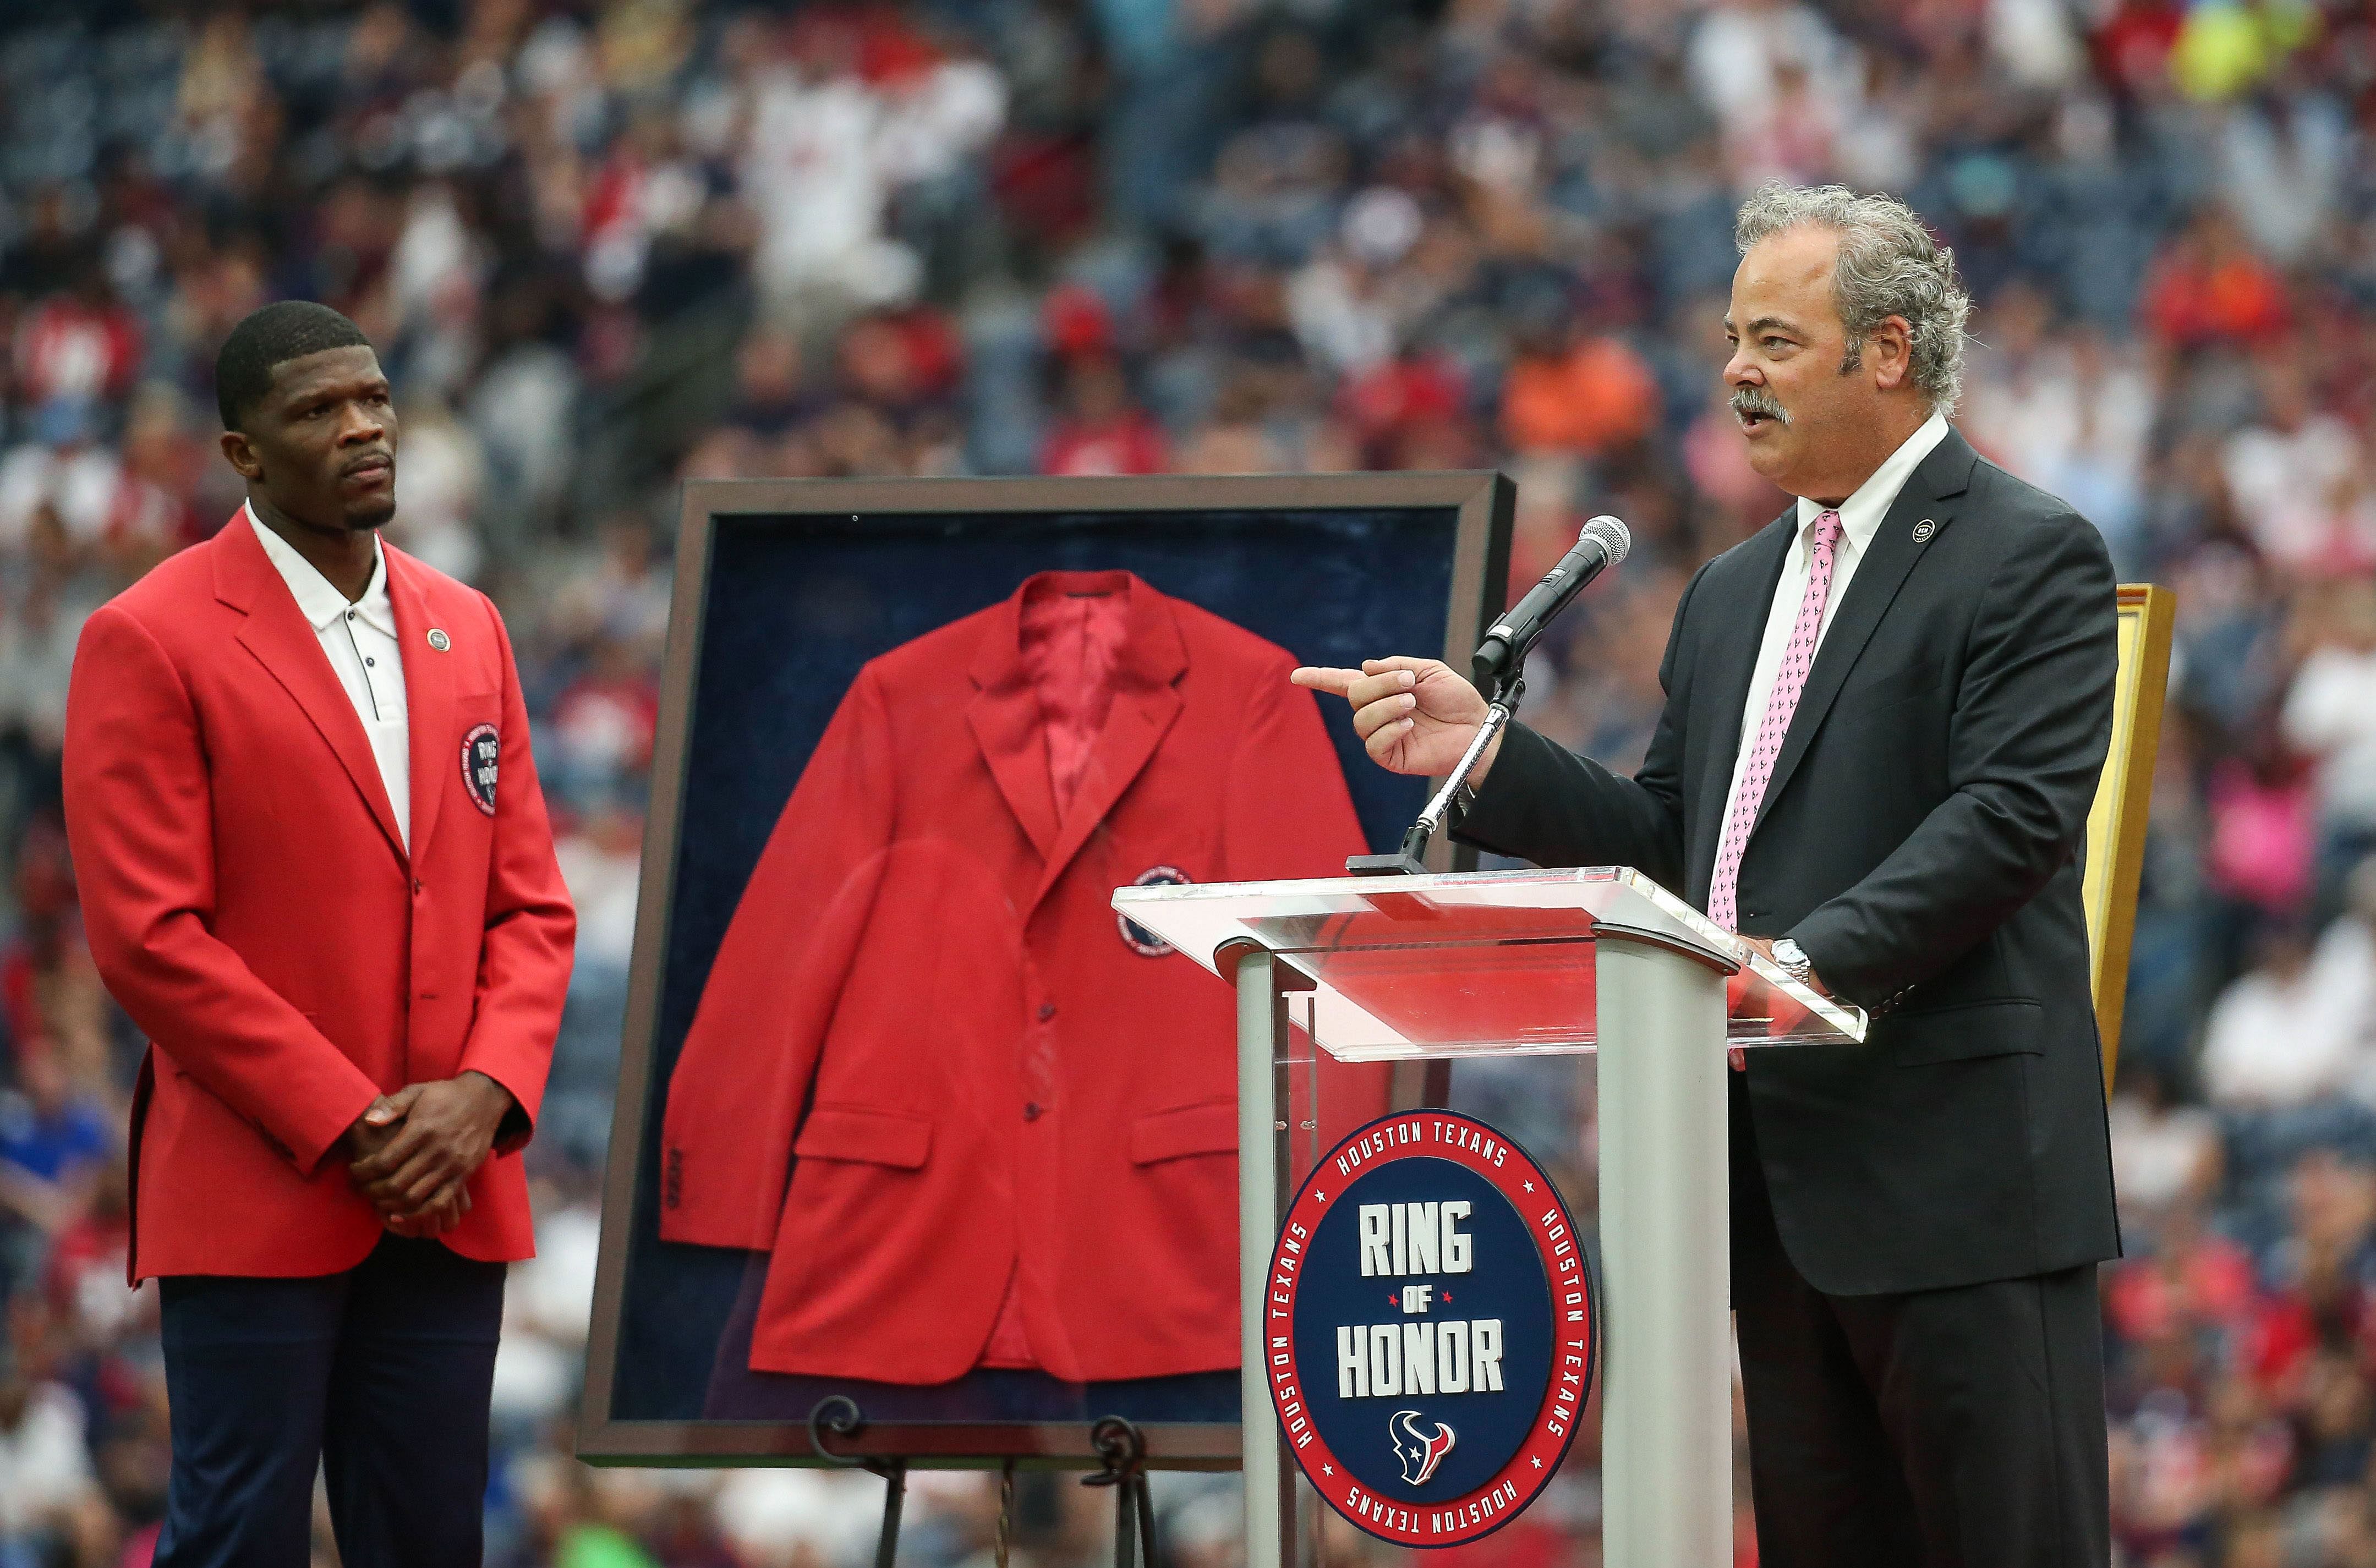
316 872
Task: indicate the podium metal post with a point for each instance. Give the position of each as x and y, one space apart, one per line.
1665 1261
1262 1103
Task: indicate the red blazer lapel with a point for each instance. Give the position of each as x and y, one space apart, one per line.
428 696
1004 718
1145 706
285 643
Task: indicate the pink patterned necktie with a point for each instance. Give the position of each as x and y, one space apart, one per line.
1788 682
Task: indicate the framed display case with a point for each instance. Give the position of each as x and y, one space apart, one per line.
900 1143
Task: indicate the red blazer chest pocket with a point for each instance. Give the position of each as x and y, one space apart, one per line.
1209 1128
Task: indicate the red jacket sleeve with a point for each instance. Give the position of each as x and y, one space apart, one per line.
1288 815
531 931
734 1099
139 807
1288 812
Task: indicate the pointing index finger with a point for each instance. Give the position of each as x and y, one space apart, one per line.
1321 678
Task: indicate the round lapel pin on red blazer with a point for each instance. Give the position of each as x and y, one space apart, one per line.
478 752
1136 937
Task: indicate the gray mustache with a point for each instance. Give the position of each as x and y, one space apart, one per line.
1757 400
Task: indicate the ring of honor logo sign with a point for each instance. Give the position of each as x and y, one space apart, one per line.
480 749
1431 1330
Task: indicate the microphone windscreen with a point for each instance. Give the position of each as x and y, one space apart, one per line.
1614 536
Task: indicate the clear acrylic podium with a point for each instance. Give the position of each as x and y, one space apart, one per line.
1371 969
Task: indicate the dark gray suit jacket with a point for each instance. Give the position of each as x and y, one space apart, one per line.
1920 839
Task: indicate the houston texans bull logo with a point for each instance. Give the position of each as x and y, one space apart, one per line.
1419 1453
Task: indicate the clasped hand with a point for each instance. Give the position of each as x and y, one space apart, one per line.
413 1152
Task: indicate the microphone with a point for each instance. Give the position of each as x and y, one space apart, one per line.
1603 544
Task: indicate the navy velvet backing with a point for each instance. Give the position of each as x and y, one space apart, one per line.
794 606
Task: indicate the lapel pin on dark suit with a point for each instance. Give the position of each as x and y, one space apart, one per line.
438 639
1923 530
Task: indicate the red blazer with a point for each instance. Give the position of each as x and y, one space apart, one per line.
1004 1081
251 906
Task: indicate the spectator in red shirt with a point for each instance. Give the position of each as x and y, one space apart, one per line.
1102 430
80 348
2209 286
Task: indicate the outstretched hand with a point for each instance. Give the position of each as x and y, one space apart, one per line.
1415 715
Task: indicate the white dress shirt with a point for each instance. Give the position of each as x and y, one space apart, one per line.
1860 517
359 639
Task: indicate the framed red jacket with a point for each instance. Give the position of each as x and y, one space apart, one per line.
252 906
927 1019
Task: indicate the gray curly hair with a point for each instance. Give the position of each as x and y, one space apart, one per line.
1889 265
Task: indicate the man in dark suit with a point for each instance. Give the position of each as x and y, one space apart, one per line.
1886 715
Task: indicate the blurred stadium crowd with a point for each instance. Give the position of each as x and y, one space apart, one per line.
607 244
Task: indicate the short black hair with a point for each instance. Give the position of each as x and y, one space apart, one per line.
272 337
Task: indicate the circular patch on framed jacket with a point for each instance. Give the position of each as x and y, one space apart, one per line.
478 752
1136 937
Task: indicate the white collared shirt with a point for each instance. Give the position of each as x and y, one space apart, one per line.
1861 518
359 639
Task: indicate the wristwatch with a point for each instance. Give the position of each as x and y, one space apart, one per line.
1794 961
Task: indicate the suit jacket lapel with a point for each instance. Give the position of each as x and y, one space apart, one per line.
1145 703
427 698
1731 664
1004 718
1006 723
1133 729
285 643
1945 473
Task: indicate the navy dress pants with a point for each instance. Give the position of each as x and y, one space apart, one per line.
379 1375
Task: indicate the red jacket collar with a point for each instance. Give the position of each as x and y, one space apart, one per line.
1005 719
1153 655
